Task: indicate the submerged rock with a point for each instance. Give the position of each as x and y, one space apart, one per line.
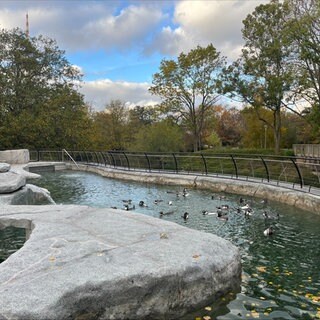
89 263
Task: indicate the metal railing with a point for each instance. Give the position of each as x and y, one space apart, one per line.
299 173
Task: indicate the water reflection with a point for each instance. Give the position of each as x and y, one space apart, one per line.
281 273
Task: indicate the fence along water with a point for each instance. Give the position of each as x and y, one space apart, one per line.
299 173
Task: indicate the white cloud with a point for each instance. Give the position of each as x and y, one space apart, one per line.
100 92
80 26
202 22
124 30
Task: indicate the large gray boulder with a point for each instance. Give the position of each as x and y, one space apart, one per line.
89 263
4 167
11 181
27 195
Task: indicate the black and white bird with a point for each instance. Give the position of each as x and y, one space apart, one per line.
185 216
268 232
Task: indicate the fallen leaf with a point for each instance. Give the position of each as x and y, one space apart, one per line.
52 259
163 235
261 269
196 256
208 308
206 318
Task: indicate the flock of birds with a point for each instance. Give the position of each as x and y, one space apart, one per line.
222 211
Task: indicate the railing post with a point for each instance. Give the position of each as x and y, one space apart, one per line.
104 158
205 164
266 167
175 162
235 165
298 171
114 163
85 153
128 164
148 160
95 153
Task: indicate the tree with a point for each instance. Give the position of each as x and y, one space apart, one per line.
112 128
228 125
255 133
162 136
304 31
188 87
264 76
39 102
303 28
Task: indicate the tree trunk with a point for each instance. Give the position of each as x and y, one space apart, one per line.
277 130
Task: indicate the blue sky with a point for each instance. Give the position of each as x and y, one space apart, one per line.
118 45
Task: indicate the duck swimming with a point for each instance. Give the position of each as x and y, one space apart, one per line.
142 204
245 207
127 208
165 213
268 232
224 218
206 213
185 216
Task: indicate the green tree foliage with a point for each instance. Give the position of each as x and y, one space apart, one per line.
39 104
188 87
264 76
162 136
112 127
255 133
303 28
304 31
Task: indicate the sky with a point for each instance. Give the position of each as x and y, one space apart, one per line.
119 45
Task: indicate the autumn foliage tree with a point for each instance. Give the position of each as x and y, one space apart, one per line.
188 88
264 76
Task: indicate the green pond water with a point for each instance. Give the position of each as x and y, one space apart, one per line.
281 273
11 240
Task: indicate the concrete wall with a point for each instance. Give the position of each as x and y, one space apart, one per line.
19 156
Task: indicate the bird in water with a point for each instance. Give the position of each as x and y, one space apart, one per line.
165 213
268 232
207 213
245 207
185 216
142 204
268 216
185 192
127 208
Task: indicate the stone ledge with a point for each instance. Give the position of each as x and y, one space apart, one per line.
89 263
15 156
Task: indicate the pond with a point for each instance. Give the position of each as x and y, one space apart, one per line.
11 240
281 272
